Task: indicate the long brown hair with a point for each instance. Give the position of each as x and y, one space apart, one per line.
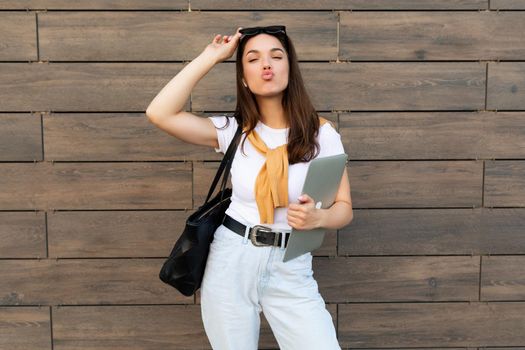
299 111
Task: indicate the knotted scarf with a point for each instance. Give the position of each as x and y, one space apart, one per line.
271 185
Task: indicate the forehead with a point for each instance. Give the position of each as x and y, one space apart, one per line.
263 42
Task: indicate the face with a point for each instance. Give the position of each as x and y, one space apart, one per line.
264 53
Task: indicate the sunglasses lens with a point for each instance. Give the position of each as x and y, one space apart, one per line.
249 31
275 29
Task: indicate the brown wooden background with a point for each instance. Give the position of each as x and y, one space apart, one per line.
429 97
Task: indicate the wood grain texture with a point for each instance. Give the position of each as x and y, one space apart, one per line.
21 137
25 328
435 231
422 36
166 36
18 36
436 324
433 135
506 86
389 279
56 186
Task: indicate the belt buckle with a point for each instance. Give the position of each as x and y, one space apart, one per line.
254 230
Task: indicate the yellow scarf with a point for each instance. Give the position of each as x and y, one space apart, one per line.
271 185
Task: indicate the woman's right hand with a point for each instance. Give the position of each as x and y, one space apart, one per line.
222 47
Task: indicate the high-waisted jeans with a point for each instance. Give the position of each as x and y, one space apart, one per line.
241 280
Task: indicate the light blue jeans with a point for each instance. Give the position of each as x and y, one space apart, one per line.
241 280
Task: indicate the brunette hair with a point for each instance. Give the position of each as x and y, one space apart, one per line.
299 111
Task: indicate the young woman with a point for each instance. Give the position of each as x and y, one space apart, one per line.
282 133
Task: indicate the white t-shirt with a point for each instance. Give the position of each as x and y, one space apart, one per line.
244 169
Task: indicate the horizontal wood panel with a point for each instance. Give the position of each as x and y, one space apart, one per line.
503 277
459 35
18 38
365 279
476 231
46 185
167 36
404 184
22 234
115 137
431 324
341 4
96 4
151 326
95 87
370 86
20 137
27 328
131 86
445 135
506 85
507 4
85 281
78 234
504 183
239 4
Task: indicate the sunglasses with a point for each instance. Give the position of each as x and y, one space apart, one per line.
268 30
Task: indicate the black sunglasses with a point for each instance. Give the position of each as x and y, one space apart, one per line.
267 30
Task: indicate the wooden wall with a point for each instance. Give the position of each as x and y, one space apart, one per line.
429 97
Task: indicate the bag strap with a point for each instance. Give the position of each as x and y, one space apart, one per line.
226 163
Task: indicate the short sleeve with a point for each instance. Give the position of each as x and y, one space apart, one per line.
224 134
329 141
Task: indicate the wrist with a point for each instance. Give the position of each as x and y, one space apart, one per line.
321 217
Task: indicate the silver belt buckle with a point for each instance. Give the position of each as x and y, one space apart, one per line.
254 230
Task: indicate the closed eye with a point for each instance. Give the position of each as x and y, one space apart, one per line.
255 59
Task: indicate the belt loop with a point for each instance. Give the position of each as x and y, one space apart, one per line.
246 233
283 236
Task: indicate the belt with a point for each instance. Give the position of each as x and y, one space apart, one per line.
259 235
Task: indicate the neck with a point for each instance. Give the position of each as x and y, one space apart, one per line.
272 112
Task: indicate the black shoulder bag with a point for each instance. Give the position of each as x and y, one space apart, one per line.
185 265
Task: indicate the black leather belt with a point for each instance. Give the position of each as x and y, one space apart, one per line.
259 235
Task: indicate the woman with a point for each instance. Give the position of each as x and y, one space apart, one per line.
282 133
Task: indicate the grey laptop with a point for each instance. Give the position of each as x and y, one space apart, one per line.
321 183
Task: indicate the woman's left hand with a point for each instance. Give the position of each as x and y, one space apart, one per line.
304 215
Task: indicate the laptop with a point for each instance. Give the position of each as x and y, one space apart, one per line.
322 182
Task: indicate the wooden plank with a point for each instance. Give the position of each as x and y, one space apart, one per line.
86 281
131 86
25 328
381 279
506 85
504 183
80 234
133 327
370 86
503 277
169 36
95 186
22 235
115 137
507 4
404 184
95 4
476 231
18 36
437 135
99 87
485 35
20 137
434 324
340 4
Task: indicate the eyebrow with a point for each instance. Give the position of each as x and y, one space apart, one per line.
272 50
